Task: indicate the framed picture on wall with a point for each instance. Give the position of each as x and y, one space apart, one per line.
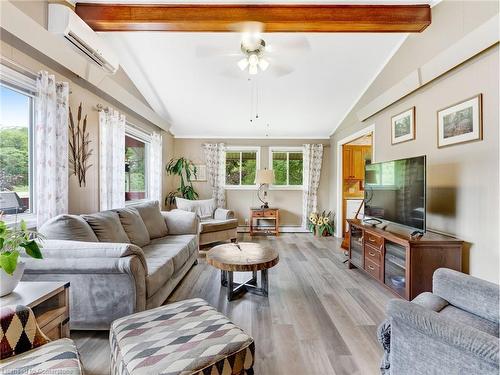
201 172
403 126
461 122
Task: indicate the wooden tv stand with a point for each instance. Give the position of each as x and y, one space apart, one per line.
404 265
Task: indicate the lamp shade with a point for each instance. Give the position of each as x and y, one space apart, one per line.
264 176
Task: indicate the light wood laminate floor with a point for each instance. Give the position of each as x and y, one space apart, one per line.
320 317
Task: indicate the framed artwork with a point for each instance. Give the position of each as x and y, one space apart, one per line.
201 172
461 122
403 126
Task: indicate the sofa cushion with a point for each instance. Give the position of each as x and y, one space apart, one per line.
165 256
134 226
107 227
151 215
68 227
204 208
208 226
457 315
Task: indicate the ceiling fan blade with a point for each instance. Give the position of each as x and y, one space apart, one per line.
297 44
213 51
280 70
233 72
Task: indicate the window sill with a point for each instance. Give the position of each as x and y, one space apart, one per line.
136 202
285 187
14 220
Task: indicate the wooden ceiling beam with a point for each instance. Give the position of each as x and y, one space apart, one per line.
276 18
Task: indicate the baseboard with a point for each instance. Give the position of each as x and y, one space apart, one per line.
283 229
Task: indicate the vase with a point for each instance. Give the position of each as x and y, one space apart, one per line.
9 282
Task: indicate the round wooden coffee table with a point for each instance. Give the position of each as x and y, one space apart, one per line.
243 257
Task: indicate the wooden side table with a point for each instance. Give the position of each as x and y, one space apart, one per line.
268 214
48 300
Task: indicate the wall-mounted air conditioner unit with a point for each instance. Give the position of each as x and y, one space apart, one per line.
64 21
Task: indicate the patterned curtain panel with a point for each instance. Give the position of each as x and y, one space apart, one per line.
51 139
111 159
313 157
155 168
216 175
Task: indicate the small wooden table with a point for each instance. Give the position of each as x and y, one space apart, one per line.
49 302
268 214
243 257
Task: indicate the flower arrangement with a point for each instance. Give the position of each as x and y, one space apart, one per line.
321 224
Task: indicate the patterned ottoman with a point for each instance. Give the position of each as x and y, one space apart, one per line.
187 337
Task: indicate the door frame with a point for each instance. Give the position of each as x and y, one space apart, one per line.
340 184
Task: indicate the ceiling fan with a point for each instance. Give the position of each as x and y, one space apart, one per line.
255 54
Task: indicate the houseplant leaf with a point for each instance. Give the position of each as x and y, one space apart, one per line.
32 249
8 261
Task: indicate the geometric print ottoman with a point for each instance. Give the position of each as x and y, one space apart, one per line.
186 337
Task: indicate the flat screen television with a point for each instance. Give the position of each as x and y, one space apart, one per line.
395 191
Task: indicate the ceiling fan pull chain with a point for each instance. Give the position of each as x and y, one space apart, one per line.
256 99
251 99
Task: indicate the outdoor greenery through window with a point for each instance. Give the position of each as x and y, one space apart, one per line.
288 167
15 149
241 167
135 168
383 175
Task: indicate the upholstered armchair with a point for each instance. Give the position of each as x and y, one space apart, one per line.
216 224
453 330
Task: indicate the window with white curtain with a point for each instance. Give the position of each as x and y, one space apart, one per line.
287 163
17 93
137 166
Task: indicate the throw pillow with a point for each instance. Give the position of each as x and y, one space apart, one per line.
68 227
134 226
204 208
154 221
107 227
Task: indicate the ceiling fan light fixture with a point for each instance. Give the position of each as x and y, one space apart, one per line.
253 59
243 63
252 69
263 64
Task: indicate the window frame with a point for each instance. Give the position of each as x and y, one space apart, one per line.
141 135
242 149
287 150
23 82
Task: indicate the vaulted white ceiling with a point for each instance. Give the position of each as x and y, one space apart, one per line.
211 97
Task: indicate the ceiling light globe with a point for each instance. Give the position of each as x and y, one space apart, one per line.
253 69
253 59
263 64
243 63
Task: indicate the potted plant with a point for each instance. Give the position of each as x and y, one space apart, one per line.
184 168
321 225
12 242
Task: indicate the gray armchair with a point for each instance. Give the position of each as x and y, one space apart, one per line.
216 224
453 330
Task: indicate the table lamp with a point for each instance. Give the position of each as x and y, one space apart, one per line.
263 178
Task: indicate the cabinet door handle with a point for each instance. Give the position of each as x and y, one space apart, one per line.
371 267
371 239
371 254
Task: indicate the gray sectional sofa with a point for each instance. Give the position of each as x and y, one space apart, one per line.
118 261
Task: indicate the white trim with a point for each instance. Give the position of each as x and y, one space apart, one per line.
226 137
286 149
257 165
340 143
282 229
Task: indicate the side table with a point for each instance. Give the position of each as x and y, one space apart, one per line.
264 213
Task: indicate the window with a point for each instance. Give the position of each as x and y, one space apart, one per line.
287 164
136 164
241 166
16 161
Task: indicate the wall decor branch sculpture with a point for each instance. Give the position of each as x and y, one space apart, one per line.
79 141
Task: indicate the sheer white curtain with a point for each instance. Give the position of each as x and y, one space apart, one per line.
111 159
313 157
216 175
155 168
51 139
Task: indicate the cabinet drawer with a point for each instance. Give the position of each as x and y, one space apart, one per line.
374 240
270 213
257 213
373 254
372 268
